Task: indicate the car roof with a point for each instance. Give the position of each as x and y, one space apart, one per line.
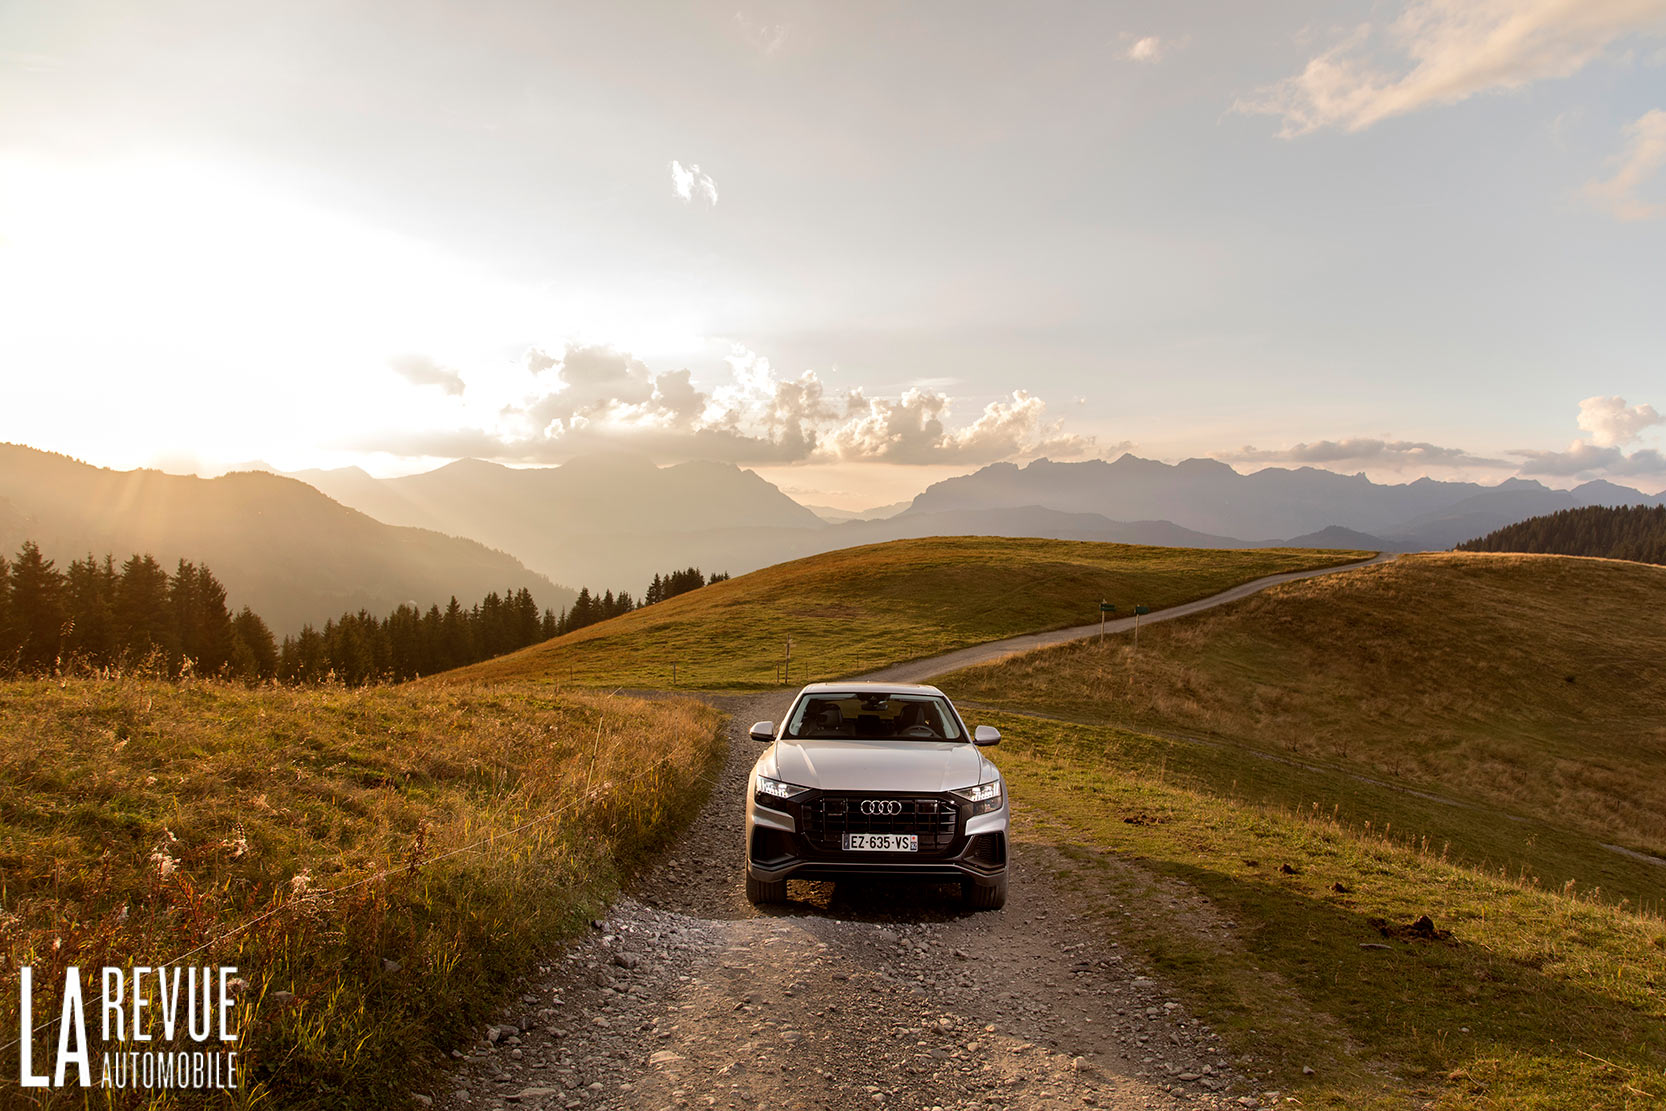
874 688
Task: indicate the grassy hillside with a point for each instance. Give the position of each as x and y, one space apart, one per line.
140 820
862 608
1293 931
1526 683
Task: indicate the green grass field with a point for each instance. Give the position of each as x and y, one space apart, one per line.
1285 929
855 610
1444 736
1261 801
1526 684
141 819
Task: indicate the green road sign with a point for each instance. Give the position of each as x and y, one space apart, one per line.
1141 610
1106 607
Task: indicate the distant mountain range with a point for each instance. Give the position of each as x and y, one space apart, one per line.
839 516
278 545
1211 497
615 521
600 520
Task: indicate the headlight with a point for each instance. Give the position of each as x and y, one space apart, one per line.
985 797
775 789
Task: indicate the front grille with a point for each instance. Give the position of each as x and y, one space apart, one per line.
828 818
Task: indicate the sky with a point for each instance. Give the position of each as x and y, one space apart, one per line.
856 247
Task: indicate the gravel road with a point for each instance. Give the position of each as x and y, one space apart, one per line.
922 671
852 996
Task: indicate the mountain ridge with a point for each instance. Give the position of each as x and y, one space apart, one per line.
278 545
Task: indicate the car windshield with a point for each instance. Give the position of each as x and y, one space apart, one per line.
868 716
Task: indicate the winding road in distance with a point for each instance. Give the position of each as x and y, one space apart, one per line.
918 671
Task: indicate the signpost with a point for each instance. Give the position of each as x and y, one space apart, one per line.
787 664
1104 608
1138 611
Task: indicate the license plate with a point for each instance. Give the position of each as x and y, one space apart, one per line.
882 842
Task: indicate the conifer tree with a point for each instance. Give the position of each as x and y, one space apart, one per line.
38 612
254 654
91 594
144 620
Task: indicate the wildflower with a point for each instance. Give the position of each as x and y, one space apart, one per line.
239 845
165 864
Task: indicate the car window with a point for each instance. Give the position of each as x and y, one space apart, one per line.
899 717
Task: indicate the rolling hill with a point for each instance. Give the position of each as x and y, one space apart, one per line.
1632 532
278 545
861 608
1524 683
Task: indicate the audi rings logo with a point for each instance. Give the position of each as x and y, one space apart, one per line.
873 808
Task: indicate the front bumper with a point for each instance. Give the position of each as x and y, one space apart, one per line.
800 838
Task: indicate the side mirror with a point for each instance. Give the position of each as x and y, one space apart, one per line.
763 731
986 735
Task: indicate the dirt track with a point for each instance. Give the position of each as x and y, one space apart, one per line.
855 995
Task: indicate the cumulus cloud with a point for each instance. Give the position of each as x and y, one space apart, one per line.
590 398
1644 155
1147 49
1611 421
912 429
423 371
692 184
1395 454
1611 425
1444 51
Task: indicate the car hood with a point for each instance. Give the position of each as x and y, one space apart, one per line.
857 765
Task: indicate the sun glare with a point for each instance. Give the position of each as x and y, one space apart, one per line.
203 311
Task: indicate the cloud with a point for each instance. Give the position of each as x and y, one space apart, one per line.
1643 156
911 429
1610 421
691 183
424 371
1611 425
1395 454
1147 49
1445 51
1585 459
592 398
766 37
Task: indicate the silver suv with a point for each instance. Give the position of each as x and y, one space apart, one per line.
876 779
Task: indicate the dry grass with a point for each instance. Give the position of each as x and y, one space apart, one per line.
863 608
1532 684
140 820
1270 921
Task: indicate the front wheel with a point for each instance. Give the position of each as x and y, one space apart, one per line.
764 892
985 894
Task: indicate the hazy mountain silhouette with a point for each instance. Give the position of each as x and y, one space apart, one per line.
615 505
1210 497
839 516
613 521
278 545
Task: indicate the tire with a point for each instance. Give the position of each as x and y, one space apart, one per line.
761 893
985 896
